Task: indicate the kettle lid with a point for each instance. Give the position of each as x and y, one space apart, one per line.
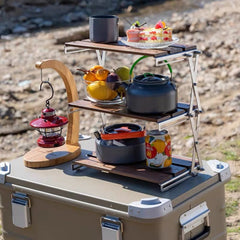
151 79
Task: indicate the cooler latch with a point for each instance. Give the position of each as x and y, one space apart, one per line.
5 168
222 168
193 218
112 228
21 210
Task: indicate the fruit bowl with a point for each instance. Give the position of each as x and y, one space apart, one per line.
105 93
104 87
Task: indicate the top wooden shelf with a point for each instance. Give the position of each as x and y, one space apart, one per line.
120 47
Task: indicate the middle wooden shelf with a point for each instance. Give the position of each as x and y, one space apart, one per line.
121 110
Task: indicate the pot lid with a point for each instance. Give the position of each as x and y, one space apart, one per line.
122 127
122 131
151 79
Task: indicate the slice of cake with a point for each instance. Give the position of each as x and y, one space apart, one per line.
133 35
133 32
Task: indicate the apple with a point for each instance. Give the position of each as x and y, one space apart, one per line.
123 73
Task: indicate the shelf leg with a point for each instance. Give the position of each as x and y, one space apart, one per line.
194 90
101 57
194 114
194 126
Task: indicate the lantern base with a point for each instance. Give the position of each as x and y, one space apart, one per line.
45 157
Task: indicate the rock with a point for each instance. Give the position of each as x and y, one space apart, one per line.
217 122
37 10
19 29
23 18
35 2
68 1
74 17
7 112
7 78
37 21
189 143
73 36
235 72
18 114
46 24
198 25
83 4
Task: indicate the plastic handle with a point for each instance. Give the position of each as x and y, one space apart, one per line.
203 234
122 135
139 59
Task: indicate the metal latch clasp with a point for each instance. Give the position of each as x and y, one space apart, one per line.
112 228
5 168
21 210
195 217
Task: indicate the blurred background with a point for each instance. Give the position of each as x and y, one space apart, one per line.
31 31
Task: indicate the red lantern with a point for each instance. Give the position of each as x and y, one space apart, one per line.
49 125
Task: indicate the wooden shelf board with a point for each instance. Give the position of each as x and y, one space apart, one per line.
121 110
138 170
120 47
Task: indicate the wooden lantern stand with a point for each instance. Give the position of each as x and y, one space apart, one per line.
45 157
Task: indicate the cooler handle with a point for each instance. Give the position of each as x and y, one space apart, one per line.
203 234
193 218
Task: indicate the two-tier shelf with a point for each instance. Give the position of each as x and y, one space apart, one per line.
182 168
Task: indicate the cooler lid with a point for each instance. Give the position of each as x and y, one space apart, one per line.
101 188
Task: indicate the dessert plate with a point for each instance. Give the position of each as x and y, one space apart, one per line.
149 45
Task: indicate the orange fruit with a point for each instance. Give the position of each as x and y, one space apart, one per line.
101 74
89 77
95 68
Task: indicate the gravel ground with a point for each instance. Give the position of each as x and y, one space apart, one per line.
215 30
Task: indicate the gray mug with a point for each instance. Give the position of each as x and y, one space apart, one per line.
103 28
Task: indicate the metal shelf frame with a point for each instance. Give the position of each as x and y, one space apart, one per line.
191 54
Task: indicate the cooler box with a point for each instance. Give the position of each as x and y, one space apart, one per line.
59 203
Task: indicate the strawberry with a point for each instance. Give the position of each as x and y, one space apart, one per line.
159 25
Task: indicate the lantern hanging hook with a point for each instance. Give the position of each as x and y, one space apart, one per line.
50 85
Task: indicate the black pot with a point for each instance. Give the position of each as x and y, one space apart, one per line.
121 144
151 94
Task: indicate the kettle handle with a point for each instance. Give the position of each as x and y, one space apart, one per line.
144 56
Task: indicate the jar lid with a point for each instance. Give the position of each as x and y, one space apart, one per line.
157 132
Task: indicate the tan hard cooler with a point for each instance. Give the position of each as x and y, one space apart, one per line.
59 203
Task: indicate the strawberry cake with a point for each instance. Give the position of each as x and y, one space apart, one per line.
158 34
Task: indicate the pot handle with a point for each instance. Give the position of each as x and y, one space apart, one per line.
123 135
139 59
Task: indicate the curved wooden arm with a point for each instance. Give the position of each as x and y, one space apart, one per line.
72 95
